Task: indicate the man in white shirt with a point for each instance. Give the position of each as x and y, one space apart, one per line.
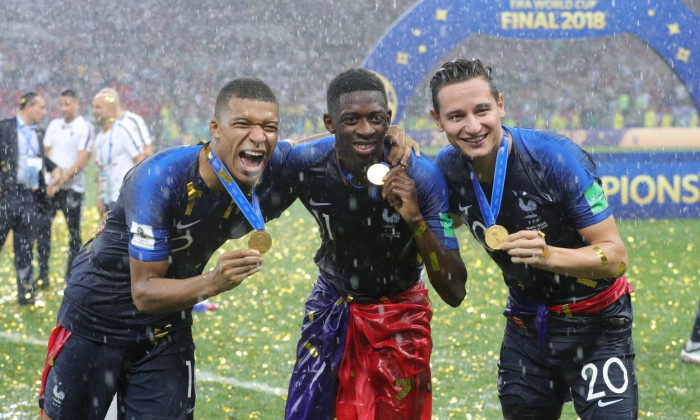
117 149
133 120
68 142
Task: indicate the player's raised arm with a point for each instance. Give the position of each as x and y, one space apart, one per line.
445 267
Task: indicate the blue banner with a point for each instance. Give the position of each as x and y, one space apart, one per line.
431 28
660 185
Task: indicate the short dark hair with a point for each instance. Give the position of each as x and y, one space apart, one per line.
70 93
352 80
27 99
243 88
460 70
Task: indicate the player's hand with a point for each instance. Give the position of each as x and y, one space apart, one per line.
51 191
400 190
526 247
234 266
100 207
103 223
401 146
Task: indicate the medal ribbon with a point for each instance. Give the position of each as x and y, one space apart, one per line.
251 212
490 213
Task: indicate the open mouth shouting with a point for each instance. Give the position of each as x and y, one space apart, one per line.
252 160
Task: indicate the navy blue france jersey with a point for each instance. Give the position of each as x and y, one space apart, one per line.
367 250
165 211
551 186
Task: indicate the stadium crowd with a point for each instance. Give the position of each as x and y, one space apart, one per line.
167 60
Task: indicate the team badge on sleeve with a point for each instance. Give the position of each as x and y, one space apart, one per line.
596 198
143 236
447 225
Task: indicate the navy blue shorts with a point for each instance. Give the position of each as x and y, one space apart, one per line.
151 381
594 367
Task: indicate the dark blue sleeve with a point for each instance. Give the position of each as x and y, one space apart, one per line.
433 199
148 193
282 188
572 172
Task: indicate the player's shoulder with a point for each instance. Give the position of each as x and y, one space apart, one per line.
168 166
552 153
543 144
447 155
173 157
310 152
424 171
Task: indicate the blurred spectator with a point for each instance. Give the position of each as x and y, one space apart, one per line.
22 161
164 49
117 149
68 143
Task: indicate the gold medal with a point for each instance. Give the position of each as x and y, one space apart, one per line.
260 240
495 236
376 172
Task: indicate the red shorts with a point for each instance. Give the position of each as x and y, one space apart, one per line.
385 371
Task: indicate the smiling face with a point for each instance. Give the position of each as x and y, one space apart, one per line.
360 124
244 136
470 116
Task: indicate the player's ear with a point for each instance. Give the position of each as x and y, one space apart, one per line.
501 105
328 122
214 128
436 118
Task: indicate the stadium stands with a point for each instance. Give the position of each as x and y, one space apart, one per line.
168 59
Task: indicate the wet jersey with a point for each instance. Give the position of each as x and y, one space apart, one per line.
165 211
551 186
367 250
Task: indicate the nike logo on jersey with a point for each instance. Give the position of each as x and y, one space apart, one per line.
315 203
179 224
602 403
463 209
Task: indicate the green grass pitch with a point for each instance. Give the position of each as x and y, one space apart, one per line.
245 350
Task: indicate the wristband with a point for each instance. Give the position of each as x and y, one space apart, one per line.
601 254
422 227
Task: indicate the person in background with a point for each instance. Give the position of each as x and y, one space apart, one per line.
117 149
22 161
68 142
691 350
133 120
365 345
534 202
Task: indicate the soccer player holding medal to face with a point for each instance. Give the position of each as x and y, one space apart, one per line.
569 313
366 332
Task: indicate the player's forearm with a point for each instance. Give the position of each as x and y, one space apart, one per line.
445 268
599 261
157 295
